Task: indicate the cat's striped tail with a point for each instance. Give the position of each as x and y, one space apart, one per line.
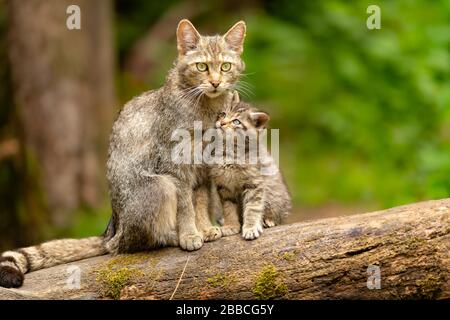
14 264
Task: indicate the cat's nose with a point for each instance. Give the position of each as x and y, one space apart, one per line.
215 83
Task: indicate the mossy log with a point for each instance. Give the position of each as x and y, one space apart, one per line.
323 259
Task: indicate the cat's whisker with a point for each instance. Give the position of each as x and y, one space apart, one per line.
183 95
244 90
247 74
198 99
246 86
191 96
188 95
187 91
245 83
243 93
190 92
249 90
198 96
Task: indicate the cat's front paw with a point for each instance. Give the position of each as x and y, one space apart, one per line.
252 232
212 234
191 242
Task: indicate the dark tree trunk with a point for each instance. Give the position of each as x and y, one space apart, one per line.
63 90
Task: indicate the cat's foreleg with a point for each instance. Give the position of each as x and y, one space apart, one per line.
202 216
253 207
190 238
231 224
215 206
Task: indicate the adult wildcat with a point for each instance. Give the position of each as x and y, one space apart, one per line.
151 196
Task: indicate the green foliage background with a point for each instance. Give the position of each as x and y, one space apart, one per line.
364 115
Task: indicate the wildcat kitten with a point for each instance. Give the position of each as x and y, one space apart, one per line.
151 195
245 190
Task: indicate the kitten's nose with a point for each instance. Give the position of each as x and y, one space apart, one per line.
215 83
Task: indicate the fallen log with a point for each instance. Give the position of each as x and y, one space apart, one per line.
399 253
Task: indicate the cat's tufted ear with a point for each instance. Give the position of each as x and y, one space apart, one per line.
235 99
187 37
259 119
235 37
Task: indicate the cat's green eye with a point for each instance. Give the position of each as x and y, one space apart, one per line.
236 122
202 67
226 66
221 115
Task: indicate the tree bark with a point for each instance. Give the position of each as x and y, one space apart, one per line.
322 259
63 91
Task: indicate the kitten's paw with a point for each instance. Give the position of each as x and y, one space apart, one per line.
212 234
230 230
10 277
191 242
253 232
268 223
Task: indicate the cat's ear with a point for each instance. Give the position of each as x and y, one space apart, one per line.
235 37
187 37
259 119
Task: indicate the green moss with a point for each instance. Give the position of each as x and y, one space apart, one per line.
269 285
288 256
430 285
414 243
219 280
116 273
113 281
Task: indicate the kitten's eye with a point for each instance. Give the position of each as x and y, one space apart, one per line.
221 115
202 67
236 122
226 66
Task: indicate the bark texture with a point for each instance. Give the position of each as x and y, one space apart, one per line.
322 259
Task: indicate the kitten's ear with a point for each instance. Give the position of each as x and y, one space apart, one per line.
235 99
187 36
259 119
235 37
